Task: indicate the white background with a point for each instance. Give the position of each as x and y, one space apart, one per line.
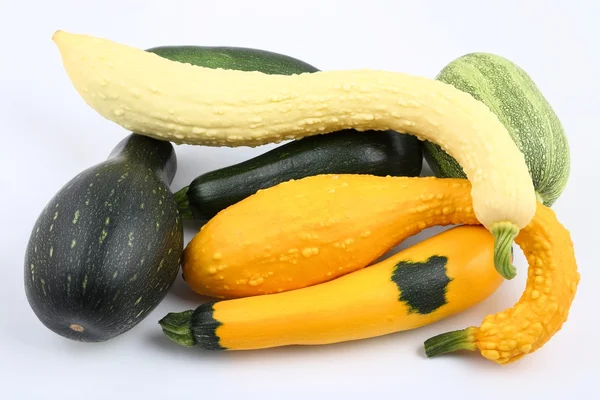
49 135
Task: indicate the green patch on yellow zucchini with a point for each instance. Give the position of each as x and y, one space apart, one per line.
422 285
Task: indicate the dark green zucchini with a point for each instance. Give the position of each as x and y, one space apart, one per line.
378 153
236 58
106 248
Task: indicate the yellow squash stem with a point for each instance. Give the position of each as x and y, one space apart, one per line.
542 309
183 103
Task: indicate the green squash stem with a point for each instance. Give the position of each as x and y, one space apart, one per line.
504 234
448 342
177 326
183 204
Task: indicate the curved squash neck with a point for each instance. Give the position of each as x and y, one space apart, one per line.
158 155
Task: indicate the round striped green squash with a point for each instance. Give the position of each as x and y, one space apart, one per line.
519 104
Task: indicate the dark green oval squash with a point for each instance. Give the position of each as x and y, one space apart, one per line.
106 248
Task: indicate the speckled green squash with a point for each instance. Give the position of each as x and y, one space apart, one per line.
519 104
106 248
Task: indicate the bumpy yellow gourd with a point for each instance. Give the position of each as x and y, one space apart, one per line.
542 309
183 103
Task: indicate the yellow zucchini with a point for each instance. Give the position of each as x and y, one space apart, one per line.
434 279
183 103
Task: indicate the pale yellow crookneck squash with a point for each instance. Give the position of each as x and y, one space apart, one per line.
406 206
436 278
183 103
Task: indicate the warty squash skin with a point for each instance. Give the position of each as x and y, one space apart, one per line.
522 108
434 279
189 104
312 230
543 308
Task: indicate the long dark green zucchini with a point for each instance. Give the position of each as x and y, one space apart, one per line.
378 153
237 58
344 152
107 247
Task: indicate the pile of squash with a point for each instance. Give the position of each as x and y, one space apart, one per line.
292 245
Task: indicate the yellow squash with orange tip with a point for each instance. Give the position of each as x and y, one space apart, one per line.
427 282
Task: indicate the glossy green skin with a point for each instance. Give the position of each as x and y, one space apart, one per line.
378 153
236 58
530 120
106 248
